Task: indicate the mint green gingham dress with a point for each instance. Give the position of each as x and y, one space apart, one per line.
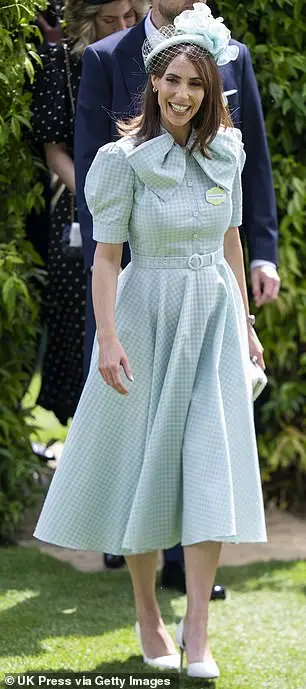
175 460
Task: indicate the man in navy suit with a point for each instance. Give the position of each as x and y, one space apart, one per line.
113 77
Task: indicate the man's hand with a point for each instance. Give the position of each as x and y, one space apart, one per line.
265 284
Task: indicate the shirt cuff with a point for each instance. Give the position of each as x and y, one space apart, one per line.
258 263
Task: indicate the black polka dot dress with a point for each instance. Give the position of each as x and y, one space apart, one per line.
53 122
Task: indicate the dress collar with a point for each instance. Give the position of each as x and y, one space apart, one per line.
161 163
189 141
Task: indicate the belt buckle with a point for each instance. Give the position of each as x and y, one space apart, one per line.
196 261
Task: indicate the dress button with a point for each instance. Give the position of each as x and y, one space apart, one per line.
189 184
195 213
195 235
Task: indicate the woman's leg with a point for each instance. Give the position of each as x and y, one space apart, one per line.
155 638
201 561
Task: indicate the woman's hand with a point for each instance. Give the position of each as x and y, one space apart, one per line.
111 356
255 347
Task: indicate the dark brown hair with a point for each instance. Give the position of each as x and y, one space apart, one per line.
211 115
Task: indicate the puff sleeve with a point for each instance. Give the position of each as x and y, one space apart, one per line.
109 194
236 218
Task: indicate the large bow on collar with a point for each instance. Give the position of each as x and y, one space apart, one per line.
161 163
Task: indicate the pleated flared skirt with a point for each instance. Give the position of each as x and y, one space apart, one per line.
176 459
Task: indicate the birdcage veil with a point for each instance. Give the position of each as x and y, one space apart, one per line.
158 61
196 27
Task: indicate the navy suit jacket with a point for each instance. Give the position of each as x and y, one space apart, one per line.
113 77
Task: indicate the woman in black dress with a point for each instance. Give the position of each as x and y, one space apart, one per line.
53 107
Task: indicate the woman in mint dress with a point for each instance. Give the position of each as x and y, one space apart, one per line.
163 450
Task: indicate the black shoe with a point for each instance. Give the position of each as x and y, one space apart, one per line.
113 561
173 577
218 592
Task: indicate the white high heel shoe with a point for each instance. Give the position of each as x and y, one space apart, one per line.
170 662
207 669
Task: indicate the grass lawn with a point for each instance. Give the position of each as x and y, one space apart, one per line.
55 618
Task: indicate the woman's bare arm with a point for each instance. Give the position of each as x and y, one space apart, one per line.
104 287
59 161
234 256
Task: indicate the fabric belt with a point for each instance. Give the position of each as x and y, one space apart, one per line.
194 262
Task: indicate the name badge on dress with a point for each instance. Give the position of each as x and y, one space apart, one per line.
215 196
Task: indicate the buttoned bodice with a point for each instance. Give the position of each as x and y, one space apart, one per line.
167 200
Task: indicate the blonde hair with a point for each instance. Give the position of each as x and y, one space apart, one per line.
79 17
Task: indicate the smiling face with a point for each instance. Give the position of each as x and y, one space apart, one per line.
114 16
180 96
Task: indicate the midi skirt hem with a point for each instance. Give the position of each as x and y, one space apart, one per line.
107 547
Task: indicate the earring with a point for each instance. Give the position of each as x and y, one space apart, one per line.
155 90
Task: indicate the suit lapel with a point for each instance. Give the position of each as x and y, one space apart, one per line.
131 64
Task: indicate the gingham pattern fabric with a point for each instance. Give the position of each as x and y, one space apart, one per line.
176 459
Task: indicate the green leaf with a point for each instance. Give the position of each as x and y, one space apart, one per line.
276 92
15 127
29 69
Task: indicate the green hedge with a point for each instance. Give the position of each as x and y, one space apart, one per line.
19 271
275 33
